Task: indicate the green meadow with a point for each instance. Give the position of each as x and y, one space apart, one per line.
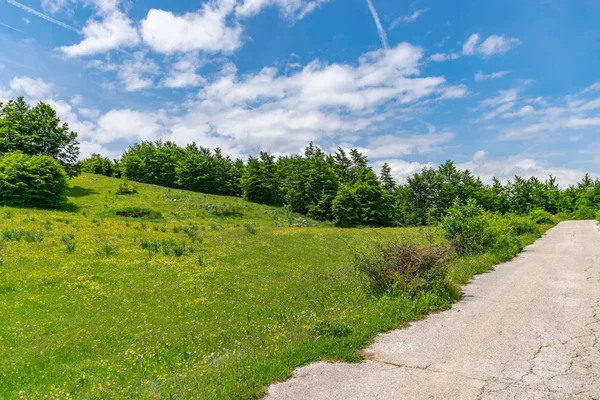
184 295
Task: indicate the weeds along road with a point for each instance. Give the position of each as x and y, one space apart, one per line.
528 330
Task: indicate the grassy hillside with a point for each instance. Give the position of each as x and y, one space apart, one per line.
206 297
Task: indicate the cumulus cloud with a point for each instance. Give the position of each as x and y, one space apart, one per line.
496 44
505 169
112 31
137 73
401 169
183 72
34 88
387 146
206 29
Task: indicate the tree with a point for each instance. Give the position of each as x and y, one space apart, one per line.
96 164
152 162
32 181
37 131
202 171
386 178
259 180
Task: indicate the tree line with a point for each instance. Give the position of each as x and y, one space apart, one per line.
342 186
38 153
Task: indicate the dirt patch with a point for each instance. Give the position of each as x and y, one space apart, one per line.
133 214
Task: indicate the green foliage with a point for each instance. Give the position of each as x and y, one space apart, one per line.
540 216
506 247
227 210
260 182
96 164
68 240
126 187
202 171
584 212
365 202
251 229
152 162
467 227
402 267
32 181
37 131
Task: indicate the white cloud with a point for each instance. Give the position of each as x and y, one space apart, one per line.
391 146
407 19
479 156
470 45
138 72
34 88
294 9
128 124
454 92
505 169
440 57
89 113
592 88
325 103
53 6
492 45
401 169
498 111
479 76
27 21
183 73
380 30
497 45
206 30
76 100
505 96
526 110
114 31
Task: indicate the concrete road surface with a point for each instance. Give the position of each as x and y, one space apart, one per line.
528 330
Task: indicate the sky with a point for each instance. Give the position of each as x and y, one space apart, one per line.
501 87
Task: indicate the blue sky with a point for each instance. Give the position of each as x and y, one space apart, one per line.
501 87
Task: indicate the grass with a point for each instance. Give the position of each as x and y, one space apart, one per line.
207 305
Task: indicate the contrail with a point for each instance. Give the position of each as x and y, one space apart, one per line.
43 16
382 34
12 27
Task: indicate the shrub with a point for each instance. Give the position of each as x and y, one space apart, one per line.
598 216
540 216
468 228
69 241
251 229
126 187
32 181
107 249
400 266
506 247
520 225
584 212
14 235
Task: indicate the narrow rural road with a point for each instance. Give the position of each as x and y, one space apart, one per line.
528 330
